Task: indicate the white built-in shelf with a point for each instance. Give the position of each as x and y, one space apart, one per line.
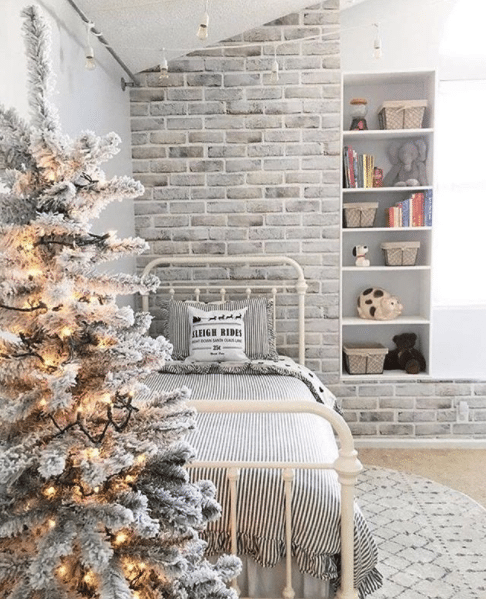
385 189
411 284
388 134
383 268
388 375
355 230
357 321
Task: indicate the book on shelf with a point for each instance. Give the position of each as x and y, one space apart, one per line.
357 169
394 216
417 210
428 208
414 211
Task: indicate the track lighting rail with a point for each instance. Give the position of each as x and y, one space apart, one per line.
102 40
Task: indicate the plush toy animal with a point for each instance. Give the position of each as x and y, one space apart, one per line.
408 160
405 356
360 252
375 303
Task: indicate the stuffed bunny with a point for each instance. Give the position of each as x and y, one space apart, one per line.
408 160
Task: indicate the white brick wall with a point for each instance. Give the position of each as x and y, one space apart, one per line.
235 165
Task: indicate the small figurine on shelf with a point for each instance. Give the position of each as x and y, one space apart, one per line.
359 109
375 303
360 252
377 177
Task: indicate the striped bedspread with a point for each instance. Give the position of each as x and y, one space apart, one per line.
274 437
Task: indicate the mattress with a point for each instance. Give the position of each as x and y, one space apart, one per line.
272 437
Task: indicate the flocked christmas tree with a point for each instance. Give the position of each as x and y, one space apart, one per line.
95 500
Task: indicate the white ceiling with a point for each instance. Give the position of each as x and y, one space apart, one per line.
138 30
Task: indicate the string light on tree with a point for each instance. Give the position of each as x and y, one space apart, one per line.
50 492
121 538
65 332
62 571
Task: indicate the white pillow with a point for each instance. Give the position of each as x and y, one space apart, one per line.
216 336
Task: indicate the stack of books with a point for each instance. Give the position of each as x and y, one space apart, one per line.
357 168
415 211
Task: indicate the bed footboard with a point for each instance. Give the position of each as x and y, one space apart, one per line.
346 465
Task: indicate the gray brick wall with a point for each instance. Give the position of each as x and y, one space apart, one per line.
233 164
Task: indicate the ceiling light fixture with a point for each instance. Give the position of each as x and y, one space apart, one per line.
202 32
163 67
90 63
377 50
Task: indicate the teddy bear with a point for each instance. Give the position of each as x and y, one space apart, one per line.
408 160
405 356
375 303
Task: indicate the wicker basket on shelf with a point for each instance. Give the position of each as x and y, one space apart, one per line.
400 253
364 358
402 114
359 214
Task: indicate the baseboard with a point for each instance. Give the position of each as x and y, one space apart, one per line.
389 443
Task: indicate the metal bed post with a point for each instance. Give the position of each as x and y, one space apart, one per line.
233 477
288 476
348 467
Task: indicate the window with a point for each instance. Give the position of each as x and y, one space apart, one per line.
460 209
459 290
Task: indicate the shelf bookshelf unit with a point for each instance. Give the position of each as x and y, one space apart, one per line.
412 284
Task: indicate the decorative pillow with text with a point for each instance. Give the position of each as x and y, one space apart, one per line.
260 341
217 335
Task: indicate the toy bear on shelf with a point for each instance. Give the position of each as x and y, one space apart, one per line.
405 356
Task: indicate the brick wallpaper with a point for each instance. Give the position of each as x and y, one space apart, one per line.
233 164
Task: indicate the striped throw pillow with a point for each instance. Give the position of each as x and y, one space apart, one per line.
259 331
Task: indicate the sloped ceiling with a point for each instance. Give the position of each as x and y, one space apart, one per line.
138 30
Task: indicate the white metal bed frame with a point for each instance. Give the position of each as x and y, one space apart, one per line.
346 465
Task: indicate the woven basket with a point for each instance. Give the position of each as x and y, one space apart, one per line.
367 358
400 253
359 214
402 114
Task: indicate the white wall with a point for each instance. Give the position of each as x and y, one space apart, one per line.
416 34
426 34
87 100
411 33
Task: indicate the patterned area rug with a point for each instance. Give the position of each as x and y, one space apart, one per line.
431 539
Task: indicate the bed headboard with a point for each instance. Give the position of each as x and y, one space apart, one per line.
232 280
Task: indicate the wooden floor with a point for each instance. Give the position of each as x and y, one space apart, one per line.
460 469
